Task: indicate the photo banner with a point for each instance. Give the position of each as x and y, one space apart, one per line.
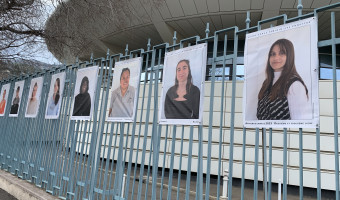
183 86
16 100
3 98
33 99
281 77
84 93
55 96
124 91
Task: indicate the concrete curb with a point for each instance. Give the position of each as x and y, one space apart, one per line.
22 189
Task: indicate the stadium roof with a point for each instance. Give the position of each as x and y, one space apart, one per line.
85 27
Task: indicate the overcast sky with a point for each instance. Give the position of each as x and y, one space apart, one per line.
46 56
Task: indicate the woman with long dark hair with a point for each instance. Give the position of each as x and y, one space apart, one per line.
283 95
183 99
16 101
32 106
82 102
54 102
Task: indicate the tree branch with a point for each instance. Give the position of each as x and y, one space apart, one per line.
31 31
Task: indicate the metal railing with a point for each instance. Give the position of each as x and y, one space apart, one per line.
96 159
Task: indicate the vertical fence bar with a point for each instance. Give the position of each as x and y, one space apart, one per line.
199 188
156 131
270 164
264 150
256 171
146 128
232 117
221 118
335 107
164 158
211 108
172 158
285 163
244 132
187 192
139 127
300 7
180 165
301 163
243 162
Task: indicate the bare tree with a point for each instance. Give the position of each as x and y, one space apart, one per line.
23 35
21 28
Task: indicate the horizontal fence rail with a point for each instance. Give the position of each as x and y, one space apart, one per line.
219 159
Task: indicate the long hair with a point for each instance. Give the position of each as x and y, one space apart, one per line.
189 79
35 85
4 93
18 90
85 80
57 95
281 86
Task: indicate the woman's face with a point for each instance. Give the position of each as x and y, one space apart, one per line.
55 87
34 92
277 59
84 87
182 71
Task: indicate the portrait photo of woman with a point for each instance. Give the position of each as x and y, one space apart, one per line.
33 100
281 77
183 86
84 93
55 96
17 93
82 102
54 103
182 100
4 96
16 101
283 95
3 102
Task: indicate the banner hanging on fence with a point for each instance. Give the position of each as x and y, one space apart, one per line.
124 95
281 77
16 100
33 99
183 84
55 96
4 97
84 93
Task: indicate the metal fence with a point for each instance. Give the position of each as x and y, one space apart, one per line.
144 160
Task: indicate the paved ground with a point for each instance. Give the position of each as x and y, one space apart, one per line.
5 195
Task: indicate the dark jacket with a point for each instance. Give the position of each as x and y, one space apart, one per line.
82 105
188 109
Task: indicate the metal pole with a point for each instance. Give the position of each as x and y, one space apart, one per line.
225 185
279 190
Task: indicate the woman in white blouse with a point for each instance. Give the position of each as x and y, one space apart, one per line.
284 95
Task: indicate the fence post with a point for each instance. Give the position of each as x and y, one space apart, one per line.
279 190
225 185
123 186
